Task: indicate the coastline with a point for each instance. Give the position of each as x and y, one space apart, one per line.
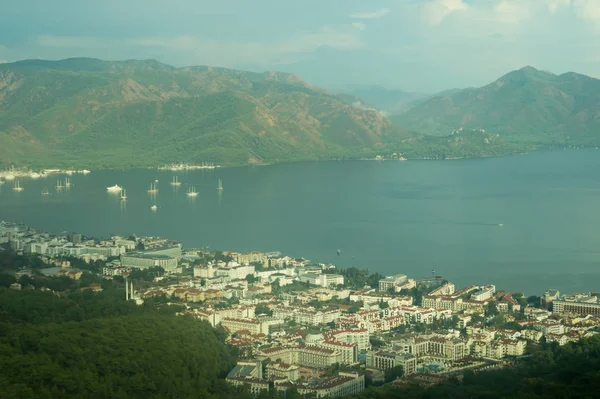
223 165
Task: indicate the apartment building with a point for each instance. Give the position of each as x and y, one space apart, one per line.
277 370
348 353
384 360
391 282
358 336
235 325
580 304
309 356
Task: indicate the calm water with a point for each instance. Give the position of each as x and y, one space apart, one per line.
391 217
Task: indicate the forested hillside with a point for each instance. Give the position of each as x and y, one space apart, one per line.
526 106
100 114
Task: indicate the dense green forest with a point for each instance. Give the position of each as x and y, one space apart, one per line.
98 345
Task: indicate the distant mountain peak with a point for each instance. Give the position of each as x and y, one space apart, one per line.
529 68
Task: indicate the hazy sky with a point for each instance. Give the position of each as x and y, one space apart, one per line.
418 45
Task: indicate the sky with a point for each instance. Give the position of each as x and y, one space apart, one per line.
414 45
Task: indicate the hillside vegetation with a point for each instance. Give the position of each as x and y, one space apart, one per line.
98 345
143 113
99 114
525 106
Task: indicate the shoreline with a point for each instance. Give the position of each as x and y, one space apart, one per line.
229 250
225 165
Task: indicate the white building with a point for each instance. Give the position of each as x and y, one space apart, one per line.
204 271
486 292
145 261
322 280
391 282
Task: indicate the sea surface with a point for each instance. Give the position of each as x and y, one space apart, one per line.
524 223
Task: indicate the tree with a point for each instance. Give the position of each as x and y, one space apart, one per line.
392 373
251 279
25 280
7 279
263 309
491 309
275 287
383 304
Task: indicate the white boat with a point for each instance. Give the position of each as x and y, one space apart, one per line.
114 189
153 188
59 185
85 171
17 187
45 192
220 185
123 194
175 182
35 175
1 181
192 192
154 207
67 182
9 176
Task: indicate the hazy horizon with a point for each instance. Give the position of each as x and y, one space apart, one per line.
418 46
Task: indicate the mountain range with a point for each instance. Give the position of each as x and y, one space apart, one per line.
143 113
527 106
103 114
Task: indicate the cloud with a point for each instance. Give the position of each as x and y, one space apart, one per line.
587 9
554 5
194 49
359 25
512 11
435 11
371 14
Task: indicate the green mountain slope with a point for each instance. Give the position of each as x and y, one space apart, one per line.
527 105
142 113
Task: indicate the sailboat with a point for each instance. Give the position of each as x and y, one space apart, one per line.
17 186
220 185
67 182
59 185
175 182
153 188
45 192
123 194
192 192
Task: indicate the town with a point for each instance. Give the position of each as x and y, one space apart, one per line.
312 327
